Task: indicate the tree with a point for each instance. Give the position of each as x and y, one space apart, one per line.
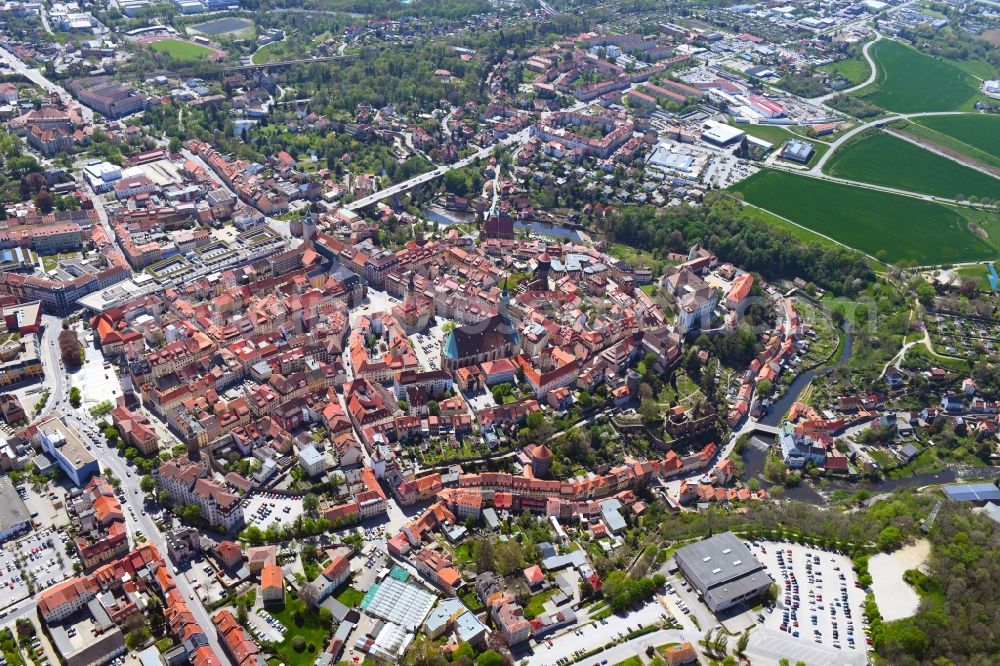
423 652
464 654
890 538
137 638
508 557
75 398
310 503
70 349
147 484
483 554
741 644
190 514
490 658
298 643
43 201
433 408
764 387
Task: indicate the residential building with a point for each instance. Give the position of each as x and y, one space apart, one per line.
272 585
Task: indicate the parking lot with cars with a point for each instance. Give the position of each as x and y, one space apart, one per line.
266 509
264 626
40 557
428 345
819 599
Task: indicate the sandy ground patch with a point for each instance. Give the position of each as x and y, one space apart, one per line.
895 598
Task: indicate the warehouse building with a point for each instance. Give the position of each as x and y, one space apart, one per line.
14 516
797 151
719 134
723 570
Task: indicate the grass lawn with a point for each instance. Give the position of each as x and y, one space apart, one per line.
349 596
536 605
264 54
883 159
771 133
472 601
182 50
841 303
51 261
310 629
910 81
631 255
976 135
976 273
881 224
855 70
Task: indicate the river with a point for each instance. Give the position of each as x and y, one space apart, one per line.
448 217
785 402
756 453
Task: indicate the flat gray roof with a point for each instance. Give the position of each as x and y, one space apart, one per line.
13 512
717 560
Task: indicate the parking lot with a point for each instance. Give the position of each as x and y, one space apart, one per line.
202 577
428 345
38 556
367 567
266 627
269 509
818 601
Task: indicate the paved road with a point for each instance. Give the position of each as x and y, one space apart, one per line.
519 138
839 141
55 374
871 77
434 174
38 78
596 635
108 458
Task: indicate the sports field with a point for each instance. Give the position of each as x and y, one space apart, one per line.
909 81
882 159
972 134
229 25
883 225
182 50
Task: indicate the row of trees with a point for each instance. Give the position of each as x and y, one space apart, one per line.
723 227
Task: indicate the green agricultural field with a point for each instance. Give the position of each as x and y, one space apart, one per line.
880 224
182 50
910 81
855 70
976 135
882 159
